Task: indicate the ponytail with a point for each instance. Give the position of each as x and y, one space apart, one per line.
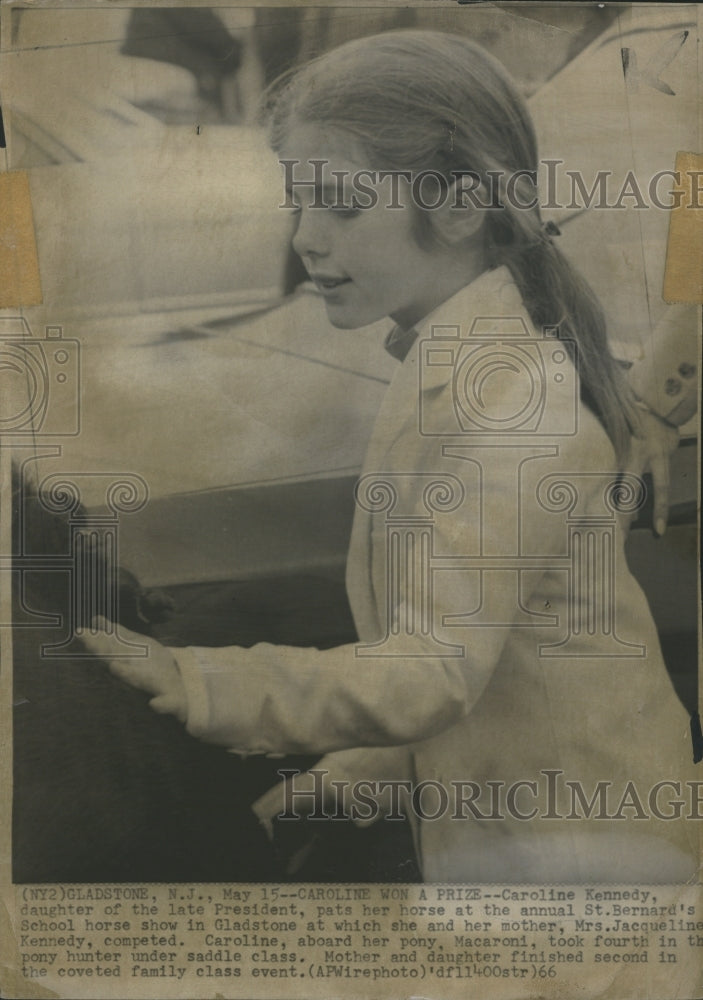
556 295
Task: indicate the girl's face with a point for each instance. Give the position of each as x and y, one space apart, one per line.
365 262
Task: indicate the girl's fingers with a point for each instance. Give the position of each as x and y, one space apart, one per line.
156 673
96 639
653 450
659 468
168 704
102 625
163 704
134 672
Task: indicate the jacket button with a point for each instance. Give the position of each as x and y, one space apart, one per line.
686 369
672 386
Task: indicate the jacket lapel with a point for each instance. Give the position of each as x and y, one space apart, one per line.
493 293
399 407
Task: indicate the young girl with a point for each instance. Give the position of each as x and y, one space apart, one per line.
508 680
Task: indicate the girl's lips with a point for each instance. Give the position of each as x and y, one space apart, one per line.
328 284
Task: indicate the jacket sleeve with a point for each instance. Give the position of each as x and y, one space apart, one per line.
665 376
283 699
280 699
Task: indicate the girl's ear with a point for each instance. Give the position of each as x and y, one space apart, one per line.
461 215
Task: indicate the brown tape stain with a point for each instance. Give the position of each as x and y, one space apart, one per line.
20 284
12 982
683 277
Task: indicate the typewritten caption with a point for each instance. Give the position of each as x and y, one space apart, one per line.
358 941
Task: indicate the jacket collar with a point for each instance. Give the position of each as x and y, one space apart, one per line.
493 295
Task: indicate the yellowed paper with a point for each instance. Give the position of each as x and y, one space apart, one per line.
347 650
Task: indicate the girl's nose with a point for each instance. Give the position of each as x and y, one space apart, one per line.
311 237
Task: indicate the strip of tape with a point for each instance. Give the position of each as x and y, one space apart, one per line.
20 283
683 277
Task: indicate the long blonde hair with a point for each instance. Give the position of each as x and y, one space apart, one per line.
427 100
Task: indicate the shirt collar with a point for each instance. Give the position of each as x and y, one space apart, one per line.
399 341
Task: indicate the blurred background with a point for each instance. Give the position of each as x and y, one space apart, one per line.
86 85
205 362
